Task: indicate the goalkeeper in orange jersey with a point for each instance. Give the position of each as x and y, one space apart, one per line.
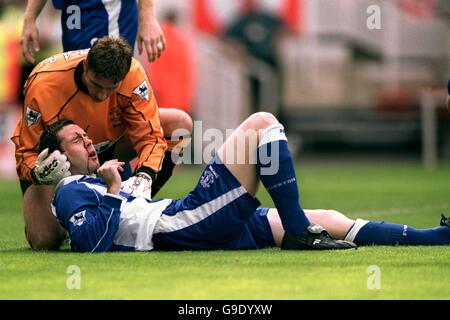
107 93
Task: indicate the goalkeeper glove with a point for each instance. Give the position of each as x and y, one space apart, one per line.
50 169
139 185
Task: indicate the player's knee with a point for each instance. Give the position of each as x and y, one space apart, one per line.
41 243
45 240
262 120
182 120
185 121
178 120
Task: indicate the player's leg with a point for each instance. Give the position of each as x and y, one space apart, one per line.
333 221
274 168
212 216
266 157
239 150
42 230
364 232
177 128
386 233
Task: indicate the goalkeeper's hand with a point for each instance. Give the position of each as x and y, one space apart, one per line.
50 169
139 185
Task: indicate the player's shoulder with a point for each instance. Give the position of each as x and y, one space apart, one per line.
136 73
135 82
61 61
76 183
52 77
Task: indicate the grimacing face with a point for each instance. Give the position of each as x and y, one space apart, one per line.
79 150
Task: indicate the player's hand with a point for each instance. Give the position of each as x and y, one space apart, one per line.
50 169
110 172
30 40
151 38
139 185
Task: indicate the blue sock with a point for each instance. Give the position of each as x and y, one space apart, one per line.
385 233
275 169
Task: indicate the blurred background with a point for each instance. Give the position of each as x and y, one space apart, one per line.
345 77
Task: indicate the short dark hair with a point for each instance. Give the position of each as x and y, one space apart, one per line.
110 58
49 138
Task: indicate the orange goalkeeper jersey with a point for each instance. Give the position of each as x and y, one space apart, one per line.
54 91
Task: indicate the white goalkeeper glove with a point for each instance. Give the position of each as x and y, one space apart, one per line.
50 169
139 185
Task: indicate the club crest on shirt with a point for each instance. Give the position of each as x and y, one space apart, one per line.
32 116
208 177
142 90
78 218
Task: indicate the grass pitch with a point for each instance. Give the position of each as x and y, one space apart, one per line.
397 192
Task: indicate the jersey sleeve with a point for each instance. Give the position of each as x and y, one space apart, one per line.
27 135
92 220
142 117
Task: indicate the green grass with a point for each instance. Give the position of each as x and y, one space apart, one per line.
403 193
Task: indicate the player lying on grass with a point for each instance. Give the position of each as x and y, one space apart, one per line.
107 92
220 213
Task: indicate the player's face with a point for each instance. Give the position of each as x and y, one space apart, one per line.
99 88
78 148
